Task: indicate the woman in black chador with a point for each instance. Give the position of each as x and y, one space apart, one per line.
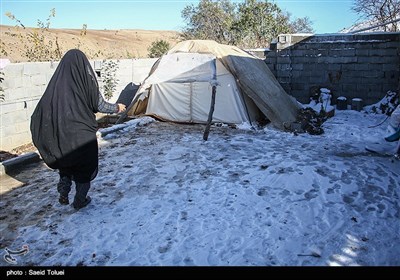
63 125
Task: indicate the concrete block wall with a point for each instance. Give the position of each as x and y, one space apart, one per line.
25 83
362 66
129 70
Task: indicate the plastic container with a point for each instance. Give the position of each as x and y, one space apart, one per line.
356 104
341 103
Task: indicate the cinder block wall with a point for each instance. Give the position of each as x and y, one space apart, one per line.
25 83
352 65
130 70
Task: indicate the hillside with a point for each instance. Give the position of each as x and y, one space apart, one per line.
132 43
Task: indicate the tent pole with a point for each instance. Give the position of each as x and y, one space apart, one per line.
210 114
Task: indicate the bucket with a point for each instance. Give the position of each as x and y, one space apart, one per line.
356 104
341 103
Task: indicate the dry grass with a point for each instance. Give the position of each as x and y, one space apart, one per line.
132 43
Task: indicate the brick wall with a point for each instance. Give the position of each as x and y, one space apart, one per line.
24 84
362 66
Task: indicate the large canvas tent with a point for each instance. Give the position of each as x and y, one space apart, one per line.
180 83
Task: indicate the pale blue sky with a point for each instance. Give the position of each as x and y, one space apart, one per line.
327 16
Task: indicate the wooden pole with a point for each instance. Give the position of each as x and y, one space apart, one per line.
124 114
210 114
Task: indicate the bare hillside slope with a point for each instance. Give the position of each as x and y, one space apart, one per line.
132 43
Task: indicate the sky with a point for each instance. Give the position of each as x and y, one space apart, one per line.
327 16
165 197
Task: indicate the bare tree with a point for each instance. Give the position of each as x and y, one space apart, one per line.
301 25
379 11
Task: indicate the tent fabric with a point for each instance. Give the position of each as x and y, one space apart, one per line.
180 90
178 87
257 81
185 67
208 47
190 102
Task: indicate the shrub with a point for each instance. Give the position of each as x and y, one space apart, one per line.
158 48
110 81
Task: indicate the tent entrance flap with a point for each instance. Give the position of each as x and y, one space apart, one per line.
170 101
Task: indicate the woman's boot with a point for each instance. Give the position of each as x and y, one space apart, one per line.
64 187
81 199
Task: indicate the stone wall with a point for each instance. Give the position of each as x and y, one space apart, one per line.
362 66
24 84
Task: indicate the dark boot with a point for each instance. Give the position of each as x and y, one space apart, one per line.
64 187
81 199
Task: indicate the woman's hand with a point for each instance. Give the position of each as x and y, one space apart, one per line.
121 108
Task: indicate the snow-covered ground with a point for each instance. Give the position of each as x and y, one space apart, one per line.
165 197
